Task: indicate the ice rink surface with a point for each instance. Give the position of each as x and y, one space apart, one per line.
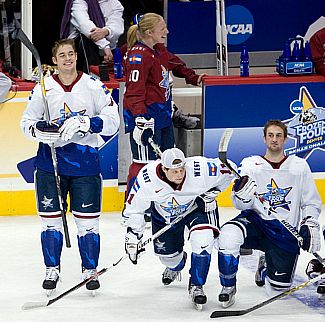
130 292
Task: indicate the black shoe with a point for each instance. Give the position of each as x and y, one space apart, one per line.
51 278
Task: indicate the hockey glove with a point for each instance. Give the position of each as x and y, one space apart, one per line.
309 231
133 245
314 268
144 129
206 202
244 189
73 125
45 132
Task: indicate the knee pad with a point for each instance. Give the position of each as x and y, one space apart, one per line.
202 240
175 261
52 224
87 225
230 239
273 289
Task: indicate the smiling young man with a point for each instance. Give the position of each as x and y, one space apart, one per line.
286 185
175 187
78 103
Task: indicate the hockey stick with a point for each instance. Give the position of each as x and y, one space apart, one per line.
155 147
19 34
218 38
223 147
224 49
223 313
34 305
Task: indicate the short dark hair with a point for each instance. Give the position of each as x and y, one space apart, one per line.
278 123
60 43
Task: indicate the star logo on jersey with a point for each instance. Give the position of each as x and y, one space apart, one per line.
175 209
275 196
160 246
307 127
66 113
165 81
47 202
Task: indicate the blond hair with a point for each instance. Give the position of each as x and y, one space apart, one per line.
139 31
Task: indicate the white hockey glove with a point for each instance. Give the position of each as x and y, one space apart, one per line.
309 231
73 125
45 132
144 129
314 268
207 201
244 189
133 245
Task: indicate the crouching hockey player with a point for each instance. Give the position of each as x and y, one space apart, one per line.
316 268
286 185
176 186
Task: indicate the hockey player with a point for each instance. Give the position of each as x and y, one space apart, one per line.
147 90
174 185
77 103
285 185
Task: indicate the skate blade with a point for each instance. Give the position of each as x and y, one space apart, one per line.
227 303
198 307
50 292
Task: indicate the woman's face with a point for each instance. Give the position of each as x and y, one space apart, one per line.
159 32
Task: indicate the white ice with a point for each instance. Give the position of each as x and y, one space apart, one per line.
130 292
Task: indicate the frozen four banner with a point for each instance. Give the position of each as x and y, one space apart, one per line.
247 107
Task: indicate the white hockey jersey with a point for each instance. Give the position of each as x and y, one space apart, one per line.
86 96
289 190
201 175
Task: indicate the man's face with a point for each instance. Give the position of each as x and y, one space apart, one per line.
175 175
66 58
274 138
159 32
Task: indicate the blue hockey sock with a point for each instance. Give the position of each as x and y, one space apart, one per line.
89 250
200 264
52 241
228 267
181 265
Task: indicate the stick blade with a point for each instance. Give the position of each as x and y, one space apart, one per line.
224 141
222 314
33 305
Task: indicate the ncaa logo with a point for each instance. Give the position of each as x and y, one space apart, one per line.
296 107
240 24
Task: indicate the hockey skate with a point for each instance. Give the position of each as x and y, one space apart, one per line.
52 277
93 284
321 290
227 296
261 271
197 296
170 276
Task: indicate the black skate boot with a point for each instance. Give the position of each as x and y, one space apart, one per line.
52 277
227 296
197 296
93 284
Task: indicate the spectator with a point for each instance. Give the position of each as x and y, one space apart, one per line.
5 85
317 46
96 25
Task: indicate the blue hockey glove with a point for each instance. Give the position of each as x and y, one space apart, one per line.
309 231
144 129
207 201
45 132
244 188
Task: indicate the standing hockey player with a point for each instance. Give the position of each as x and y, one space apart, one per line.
286 185
77 103
178 187
147 101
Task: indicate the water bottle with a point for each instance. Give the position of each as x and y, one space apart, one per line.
244 62
307 52
295 52
118 67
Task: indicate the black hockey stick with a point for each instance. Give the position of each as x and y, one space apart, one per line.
34 305
223 147
19 34
223 313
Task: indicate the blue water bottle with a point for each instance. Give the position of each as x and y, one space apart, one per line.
244 62
295 52
307 52
118 67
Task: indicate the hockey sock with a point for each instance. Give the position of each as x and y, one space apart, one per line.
228 267
200 264
89 250
52 241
